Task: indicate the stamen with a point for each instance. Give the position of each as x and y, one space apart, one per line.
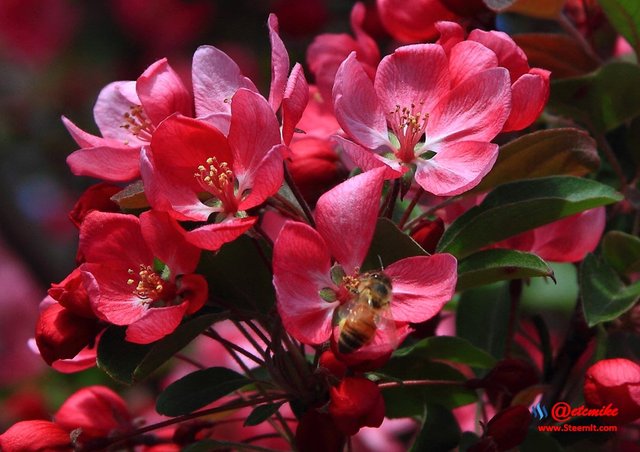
136 122
150 285
215 177
409 125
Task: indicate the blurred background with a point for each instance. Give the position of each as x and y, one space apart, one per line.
55 57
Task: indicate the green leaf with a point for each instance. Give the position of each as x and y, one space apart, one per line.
238 274
449 348
409 401
624 15
520 206
129 363
389 245
606 98
622 251
569 152
482 318
198 389
489 266
261 413
439 431
604 296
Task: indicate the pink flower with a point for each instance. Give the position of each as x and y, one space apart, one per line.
490 49
127 113
328 50
193 172
35 436
310 291
139 272
216 79
616 382
442 128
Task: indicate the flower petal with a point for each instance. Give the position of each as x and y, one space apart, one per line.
468 58
476 109
279 64
421 285
114 101
114 164
356 106
529 94
216 78
264 181
213 236
162 92
301 265
296 97
457 167
346 217
155 324
413 75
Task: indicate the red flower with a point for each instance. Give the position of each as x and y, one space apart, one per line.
127 114
35 436
505 430
309 291
193 172
616 382
413 21
356 402
96 197
138 272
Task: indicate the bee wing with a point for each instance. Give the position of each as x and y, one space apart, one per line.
386 326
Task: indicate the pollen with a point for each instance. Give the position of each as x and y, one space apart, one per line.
215 175
409 125
150 285
137 123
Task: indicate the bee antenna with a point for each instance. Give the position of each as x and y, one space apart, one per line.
380 260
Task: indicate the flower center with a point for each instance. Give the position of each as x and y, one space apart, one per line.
218 179
137 123
409 125
150 285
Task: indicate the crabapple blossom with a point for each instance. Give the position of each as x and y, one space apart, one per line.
617 382
127 113
303 259
139 272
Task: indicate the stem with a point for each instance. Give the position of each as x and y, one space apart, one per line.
410 208
400 384
213 334
611 157
390 201
235 404
413 223
251 340
515 291
296 192
570 28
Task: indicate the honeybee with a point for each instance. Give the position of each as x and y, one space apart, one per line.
365 313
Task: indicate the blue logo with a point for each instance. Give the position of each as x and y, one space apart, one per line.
539 411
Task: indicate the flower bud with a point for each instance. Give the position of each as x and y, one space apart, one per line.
616 382
356 402
428 233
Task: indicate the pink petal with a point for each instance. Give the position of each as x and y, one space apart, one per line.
529 95
254 131
113 237
457 167
279 64
155 324
301 264
162 92
213 236
167 241
476 109
114 164
169 193
265 180
367 160
216 78
451 33
346 217
110 295
86 140
422 285
383 343
367 49
570 239
357 108
35 435
296 97
469 58
413 75
509 54
114 101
